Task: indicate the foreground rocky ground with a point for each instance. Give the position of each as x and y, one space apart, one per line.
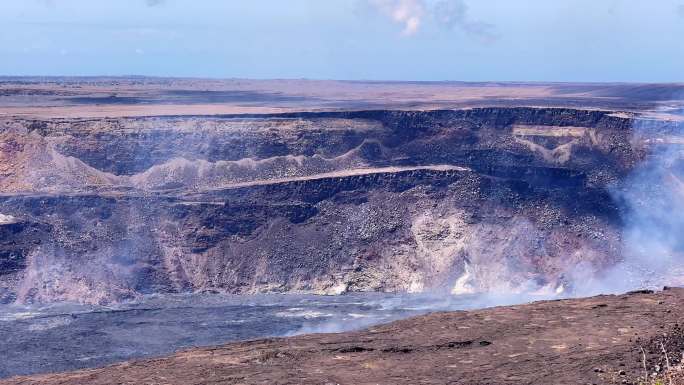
599 340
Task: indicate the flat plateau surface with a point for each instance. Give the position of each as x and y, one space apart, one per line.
117 97
596 340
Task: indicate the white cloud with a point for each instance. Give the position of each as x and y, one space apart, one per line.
408 13
413 14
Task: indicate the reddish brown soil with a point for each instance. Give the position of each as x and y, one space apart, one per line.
596 340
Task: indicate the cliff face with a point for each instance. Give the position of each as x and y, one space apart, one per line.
493 199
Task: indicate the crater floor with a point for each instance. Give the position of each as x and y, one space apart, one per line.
598 340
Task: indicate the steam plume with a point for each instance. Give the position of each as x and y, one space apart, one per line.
454 14
653 201
408 13
413 14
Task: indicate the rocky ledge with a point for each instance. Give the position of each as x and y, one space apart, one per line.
456 201
599 340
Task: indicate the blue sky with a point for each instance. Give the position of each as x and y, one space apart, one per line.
472 40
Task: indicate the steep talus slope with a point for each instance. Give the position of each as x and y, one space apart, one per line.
492 199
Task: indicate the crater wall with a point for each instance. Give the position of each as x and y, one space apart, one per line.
459 201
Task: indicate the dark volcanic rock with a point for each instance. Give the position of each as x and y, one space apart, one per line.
484 199
599 340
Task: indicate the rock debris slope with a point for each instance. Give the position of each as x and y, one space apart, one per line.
474 200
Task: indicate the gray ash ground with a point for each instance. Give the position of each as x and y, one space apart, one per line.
62 337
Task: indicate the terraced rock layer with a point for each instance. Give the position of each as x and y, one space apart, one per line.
489 199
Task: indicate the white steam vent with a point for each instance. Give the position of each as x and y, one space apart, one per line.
464 283
7 219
